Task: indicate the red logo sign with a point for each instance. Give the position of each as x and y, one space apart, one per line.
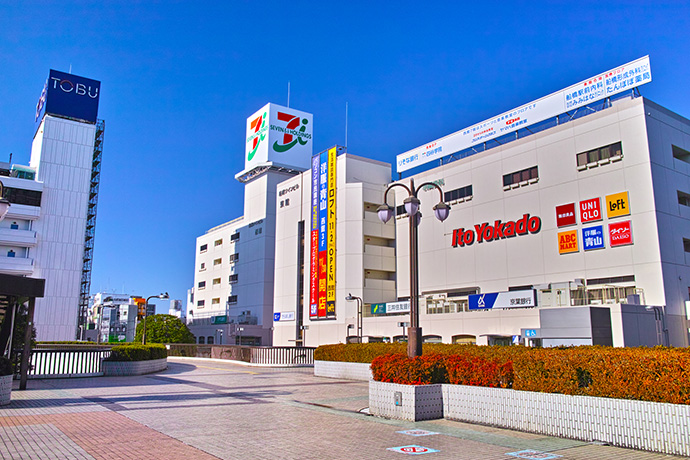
620 233
565 215
590 210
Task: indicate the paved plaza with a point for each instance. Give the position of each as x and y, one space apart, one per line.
201 409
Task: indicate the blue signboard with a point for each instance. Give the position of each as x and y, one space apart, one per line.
69 96
512 299
378 308
276 316
593 237
530 332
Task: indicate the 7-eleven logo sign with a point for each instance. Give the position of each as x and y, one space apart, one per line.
257 128
291 134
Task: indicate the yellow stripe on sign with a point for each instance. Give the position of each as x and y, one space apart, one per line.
330 261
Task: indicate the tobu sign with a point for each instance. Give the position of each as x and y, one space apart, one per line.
565 215
590 210
497 231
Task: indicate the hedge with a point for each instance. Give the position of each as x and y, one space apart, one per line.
137 352
658 374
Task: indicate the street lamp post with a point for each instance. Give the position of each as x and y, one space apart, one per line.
360 324
347 334
220 342
146 312
385 212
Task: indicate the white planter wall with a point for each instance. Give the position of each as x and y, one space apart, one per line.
342 370
418 402
5 389
658 427
122 368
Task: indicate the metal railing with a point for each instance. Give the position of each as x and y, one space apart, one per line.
64 362
268 356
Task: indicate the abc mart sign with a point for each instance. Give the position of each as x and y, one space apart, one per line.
279 135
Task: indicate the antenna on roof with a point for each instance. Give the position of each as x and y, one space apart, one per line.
288 95
346 125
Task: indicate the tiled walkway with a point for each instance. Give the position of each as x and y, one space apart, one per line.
203 410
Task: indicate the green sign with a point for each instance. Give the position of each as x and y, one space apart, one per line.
219 319
378 308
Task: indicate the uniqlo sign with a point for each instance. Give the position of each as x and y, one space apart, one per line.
620 233
590 210
565 215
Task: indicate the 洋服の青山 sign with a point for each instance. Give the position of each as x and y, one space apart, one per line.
498 230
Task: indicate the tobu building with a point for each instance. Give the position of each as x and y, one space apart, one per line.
569 224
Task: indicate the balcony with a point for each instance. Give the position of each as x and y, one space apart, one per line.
16 265
15 237
23 211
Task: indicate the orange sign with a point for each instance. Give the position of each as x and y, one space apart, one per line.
567 242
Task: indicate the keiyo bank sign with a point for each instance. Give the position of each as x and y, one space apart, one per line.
498 230
279 135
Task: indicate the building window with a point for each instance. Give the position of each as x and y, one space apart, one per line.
203 248
686 245
234 257
202 267
680 154
461 193
683 198
209 340
232 300
21 196
216 281
233 278
522 177
200 303
400 211
217 262
215 301
202 285
234 237
218 242
201 341
605 154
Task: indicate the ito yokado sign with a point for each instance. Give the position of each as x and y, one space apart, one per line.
279 135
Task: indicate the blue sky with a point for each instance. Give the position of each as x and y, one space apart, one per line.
179 80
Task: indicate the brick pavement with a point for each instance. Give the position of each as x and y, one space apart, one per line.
203 410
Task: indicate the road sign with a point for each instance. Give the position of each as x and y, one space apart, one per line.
412 450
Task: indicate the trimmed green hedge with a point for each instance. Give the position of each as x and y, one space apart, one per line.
5 366
366 352
138 352
658 374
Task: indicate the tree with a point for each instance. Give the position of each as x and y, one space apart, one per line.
164 329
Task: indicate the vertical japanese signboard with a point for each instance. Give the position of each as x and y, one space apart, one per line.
314 234
323 222
330 284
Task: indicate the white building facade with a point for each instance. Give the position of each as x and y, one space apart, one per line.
557 236
48 232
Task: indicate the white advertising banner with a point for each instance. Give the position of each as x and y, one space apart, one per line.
280 135
397 307
614 81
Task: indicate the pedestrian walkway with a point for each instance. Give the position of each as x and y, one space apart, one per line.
204 410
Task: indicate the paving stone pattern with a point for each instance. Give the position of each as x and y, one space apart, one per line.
203 410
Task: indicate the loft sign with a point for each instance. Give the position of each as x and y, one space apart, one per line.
487 232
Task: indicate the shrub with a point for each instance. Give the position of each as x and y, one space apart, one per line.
137 352
398 368
5 366
479 371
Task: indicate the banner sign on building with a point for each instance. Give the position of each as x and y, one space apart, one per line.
617 205
314 247
590 210
284 316
69 96
279 135
512 299
567 242
390 308
620 233
593 237
330 284
378 308
614 81
565 215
